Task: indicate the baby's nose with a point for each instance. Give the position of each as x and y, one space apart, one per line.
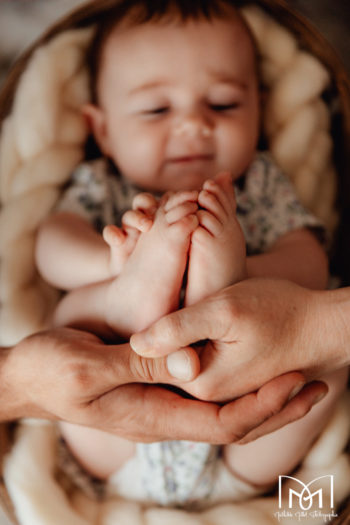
192 127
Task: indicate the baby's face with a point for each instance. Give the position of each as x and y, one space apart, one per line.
178 103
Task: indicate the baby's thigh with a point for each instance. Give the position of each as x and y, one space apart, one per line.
278 453
100 453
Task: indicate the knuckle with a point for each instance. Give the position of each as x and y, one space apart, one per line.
79 377
142 368
229 310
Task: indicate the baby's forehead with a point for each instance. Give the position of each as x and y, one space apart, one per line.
133 45
124 32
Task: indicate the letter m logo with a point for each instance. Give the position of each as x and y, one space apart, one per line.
305 496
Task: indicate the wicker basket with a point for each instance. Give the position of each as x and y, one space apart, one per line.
310 40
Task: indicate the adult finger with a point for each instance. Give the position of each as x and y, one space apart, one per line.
180 329
264 404
119 365
295 409
148 413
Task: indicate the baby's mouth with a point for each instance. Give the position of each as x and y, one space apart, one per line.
189 159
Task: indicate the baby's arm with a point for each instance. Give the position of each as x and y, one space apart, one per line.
296 256
70 253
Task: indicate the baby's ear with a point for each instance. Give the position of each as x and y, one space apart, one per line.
96 121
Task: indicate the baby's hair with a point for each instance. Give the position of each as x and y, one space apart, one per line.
138 12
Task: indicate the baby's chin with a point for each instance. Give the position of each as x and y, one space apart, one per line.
187 178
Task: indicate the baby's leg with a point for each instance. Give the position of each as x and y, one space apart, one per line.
148 287
150 283
262 461
98 452
217 254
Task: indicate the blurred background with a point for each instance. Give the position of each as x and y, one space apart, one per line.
21 21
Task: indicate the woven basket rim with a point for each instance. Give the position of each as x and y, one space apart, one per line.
84 16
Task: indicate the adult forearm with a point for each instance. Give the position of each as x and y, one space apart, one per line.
327 331
8 402
15 400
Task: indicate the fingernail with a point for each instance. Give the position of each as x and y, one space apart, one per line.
179 365
319 397
296 390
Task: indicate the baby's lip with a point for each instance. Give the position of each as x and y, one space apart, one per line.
191 158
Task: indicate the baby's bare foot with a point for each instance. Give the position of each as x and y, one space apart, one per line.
122 241
150 283
217 252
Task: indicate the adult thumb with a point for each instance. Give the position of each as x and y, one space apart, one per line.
180 366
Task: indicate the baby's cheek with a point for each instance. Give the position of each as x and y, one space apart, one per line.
240 148
138 161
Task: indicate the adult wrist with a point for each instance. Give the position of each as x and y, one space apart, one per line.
10 405
15 399
327 329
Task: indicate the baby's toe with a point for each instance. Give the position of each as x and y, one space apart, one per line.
181 197
138 220
181 211
222 187
210 201
145 202
210 223
183 228
113 235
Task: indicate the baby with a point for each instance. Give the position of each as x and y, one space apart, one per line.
175 110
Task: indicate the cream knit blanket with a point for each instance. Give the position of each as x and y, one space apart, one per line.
39 500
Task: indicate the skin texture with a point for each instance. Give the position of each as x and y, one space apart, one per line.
177 126
87 383
254 323
262 335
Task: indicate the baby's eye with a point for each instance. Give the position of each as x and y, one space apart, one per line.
156 111
224 107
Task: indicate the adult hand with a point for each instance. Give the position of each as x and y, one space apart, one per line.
71 375
257 329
